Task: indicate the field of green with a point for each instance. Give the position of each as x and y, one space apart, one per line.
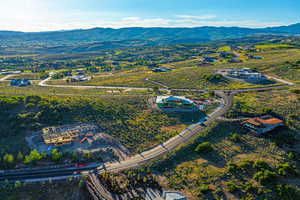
270 46
135 78
52 91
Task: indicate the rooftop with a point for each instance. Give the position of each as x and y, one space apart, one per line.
162 99
173 195
264 120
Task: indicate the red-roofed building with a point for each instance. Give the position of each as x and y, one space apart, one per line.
264 124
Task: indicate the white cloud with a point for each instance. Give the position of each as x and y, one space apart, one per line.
193 17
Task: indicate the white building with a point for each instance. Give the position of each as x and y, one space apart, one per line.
173 195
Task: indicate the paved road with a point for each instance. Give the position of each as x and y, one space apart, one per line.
6 77
44 174
288 84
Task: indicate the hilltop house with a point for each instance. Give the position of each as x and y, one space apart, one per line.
20 82
255 57
79 78
225 54
235 60
175 102
81 71
173 195
210 59
262 125
244 73
162 69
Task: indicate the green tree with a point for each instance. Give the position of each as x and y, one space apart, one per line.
18 184
56 155
8 160
33 157
20 157
204 147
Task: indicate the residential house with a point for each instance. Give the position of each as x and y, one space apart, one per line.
244 73
262 125
210 59
255 57
162 69
225 54
173 195
20 82
235 60
174 102
79 78
81 71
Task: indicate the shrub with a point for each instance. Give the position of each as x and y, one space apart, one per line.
33 157
232 186
18 184
285 169
232 167
246 164
235 137
250 187
260 164
203 188
265 176
292 155
204 147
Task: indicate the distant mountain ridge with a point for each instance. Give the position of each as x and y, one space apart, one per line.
138 33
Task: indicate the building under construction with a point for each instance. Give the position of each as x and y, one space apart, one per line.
66 134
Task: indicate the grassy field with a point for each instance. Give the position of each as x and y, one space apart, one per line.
270 46
48 91
135 78
224 48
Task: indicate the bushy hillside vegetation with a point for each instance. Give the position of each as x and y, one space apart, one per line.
129 121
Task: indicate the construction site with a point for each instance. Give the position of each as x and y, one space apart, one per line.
83 138
62 135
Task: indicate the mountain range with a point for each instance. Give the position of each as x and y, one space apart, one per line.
172 35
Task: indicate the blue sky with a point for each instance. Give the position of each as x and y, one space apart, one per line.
47 15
